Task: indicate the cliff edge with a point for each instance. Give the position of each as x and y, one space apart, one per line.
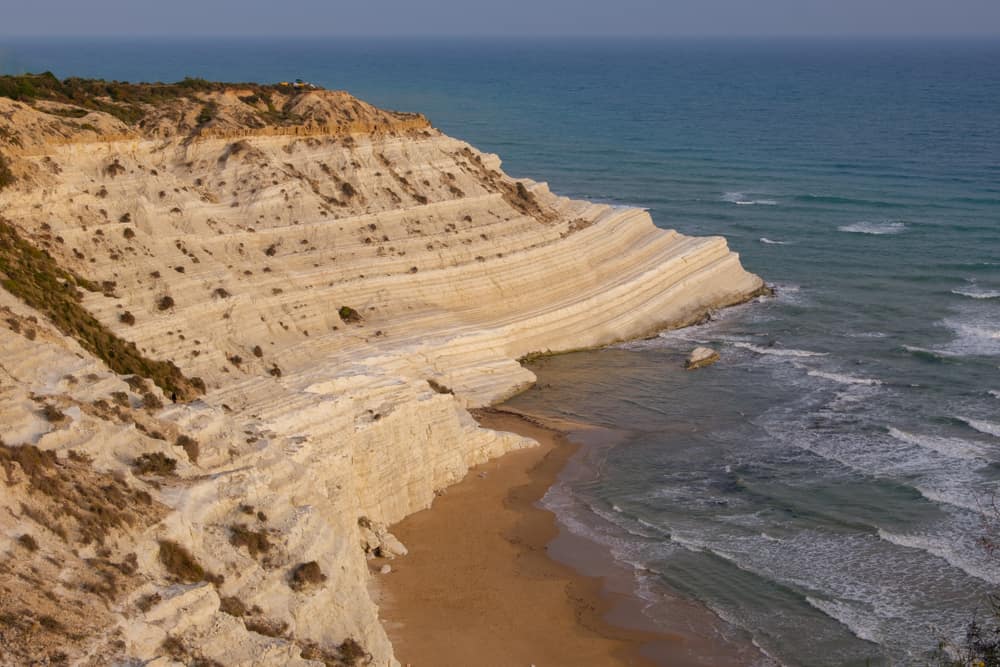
241 332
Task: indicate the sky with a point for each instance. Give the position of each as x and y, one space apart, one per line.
418 18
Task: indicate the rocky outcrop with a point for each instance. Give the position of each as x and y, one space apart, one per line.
346 287
701 357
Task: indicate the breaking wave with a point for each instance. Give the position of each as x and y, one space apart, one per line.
877 228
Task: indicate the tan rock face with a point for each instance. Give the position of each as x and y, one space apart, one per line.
232 251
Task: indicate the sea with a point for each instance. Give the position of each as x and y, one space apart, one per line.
825 490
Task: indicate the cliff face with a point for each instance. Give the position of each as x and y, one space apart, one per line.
345 282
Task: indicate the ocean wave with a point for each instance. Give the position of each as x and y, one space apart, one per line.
876 228
928 353
741 199
978 294
989 428
848 616
779 351
994 393
952 447
844 379
945 552
767 241
944 498
976 334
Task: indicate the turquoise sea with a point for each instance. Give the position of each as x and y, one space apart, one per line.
823 490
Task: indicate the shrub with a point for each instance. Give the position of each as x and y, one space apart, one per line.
221 293
127 318
28 542
257 352
6 176
351 652
305 575
126 217
147 602
155 463
207 113
151 401
190 447
348 190
271 250
438 387
52 413
268 628
348 314
255 541
233 606
165 302
179 562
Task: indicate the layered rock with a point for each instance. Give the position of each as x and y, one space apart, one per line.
346 285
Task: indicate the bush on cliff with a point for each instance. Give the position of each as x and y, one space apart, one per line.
6 176
34 276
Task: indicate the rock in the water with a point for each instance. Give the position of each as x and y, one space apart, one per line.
391 544
700 357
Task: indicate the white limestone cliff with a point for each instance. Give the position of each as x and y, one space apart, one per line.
311 421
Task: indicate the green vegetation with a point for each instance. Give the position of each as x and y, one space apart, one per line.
156 463
349 315
129 102
33 276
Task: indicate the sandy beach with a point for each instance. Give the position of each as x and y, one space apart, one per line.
478 587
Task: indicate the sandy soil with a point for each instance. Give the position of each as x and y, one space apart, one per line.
477 587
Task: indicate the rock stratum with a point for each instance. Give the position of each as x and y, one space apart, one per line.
242 331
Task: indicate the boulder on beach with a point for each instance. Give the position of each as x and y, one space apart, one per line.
701 357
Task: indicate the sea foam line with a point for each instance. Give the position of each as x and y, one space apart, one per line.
953 447
844 379
843 614
767 241
779 352
980 294
876 228
921 543
989 428
740 199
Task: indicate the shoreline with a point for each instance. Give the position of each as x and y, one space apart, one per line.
491 577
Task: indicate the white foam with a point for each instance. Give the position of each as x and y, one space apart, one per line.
767 241
877 228
943 551
978 294
844 379
994 393
846 616
779 351
989 428
740 199
951 447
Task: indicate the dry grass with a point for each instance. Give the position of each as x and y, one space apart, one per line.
255 541
190 447
179 562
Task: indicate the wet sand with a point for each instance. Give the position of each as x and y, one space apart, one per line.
480 588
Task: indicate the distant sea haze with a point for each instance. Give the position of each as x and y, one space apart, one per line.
823 488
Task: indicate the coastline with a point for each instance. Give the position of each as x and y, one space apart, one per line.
492 579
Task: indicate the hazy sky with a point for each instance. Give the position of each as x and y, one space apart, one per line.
501 17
